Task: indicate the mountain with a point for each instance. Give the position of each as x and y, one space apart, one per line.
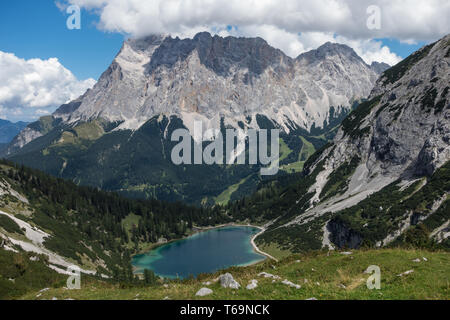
384 179
214 78
117 135
8 130
379 67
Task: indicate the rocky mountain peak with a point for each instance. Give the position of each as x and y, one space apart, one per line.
329 50
336 48
215 79
218 54
379 67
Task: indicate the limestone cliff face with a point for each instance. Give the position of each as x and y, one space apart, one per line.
411 128
403 130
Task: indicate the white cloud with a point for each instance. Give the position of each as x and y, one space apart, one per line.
36 84
402 19
291 25
2 112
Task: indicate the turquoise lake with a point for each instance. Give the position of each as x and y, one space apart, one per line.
204 252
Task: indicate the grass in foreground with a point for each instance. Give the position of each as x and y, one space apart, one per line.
322 276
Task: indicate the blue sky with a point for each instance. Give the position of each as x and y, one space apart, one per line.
33 32
37 29
401 49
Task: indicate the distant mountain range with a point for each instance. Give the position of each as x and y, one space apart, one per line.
8 130
117 135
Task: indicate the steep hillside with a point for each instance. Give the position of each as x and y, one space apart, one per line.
117 135
385 177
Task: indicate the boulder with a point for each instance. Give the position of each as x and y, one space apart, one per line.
227 281
252 285
203 292
268 275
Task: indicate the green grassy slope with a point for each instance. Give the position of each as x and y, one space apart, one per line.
322 276
20 275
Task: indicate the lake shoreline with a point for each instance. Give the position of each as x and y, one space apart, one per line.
197 230
255 247
252 240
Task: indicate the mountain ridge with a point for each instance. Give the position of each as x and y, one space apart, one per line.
384 177
159 84
138 59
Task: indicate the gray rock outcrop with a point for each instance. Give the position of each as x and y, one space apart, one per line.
227 281
252 285
203 292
